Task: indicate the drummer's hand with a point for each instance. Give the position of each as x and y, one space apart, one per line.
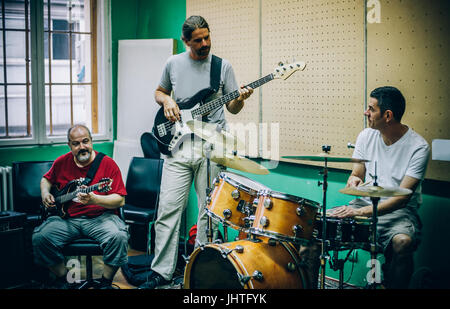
343 212
354 181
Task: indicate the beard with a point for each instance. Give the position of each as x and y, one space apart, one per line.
203 51
83 155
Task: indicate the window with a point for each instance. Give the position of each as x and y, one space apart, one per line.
49 70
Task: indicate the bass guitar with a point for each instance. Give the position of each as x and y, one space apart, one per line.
67 194
170 134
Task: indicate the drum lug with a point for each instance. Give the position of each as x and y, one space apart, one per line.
272 242
268 203
264 221
235 194
227 213
257 275
291 267
297 229
239 249
300 211
208 200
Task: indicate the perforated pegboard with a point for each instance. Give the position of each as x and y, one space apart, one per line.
322 105
409 49
234 26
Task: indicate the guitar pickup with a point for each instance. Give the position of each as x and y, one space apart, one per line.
161 130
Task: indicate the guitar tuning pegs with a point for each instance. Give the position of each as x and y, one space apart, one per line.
280 64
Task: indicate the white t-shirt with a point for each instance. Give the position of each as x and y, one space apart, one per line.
407 156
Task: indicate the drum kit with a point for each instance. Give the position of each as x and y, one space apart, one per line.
273 226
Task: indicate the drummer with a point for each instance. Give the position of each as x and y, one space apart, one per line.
398 157
185 75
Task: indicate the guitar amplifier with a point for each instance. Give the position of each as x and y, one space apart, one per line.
12 257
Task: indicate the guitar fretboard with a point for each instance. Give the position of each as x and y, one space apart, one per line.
69 196
211 105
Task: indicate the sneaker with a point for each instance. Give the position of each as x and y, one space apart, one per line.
62 284
154 281
105 284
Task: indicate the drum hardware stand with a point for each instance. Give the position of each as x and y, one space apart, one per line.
373 244
209 147
338 264
324 250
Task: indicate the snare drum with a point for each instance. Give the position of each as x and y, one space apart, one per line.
345 233
247 264
284 217
231 200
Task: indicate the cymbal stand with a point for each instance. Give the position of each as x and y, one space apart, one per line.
208 148
373 244
324 250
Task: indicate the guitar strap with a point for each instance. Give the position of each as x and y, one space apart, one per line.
93 168
216 68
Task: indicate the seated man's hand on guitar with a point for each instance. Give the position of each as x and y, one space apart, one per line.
171 110
86 198
48 200
343 212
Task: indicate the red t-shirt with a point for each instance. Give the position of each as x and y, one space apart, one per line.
64 170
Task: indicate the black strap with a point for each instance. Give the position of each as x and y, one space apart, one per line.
93 168
216 68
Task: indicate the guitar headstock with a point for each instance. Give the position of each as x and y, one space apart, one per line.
284 71
104 185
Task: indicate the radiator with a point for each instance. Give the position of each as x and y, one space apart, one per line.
6 195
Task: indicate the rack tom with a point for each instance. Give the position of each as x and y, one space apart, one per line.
284 217
232 200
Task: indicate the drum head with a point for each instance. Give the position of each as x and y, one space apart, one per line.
240 181
211 271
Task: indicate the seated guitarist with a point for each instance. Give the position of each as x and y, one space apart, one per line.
92 214
185 75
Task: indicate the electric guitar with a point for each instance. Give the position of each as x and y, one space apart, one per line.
170 134
64 196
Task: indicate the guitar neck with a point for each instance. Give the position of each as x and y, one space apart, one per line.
212 105
71 195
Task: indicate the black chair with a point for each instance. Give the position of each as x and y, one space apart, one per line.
86 247
26 177
141 203
150 146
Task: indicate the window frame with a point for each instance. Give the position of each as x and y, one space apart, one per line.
103 81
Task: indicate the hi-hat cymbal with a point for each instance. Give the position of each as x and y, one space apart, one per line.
325 156
376 191
213 134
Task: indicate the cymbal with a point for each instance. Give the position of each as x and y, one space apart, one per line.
376 191
241 163
325 156
213 134
234 161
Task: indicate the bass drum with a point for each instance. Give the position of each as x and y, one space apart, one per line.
248 264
